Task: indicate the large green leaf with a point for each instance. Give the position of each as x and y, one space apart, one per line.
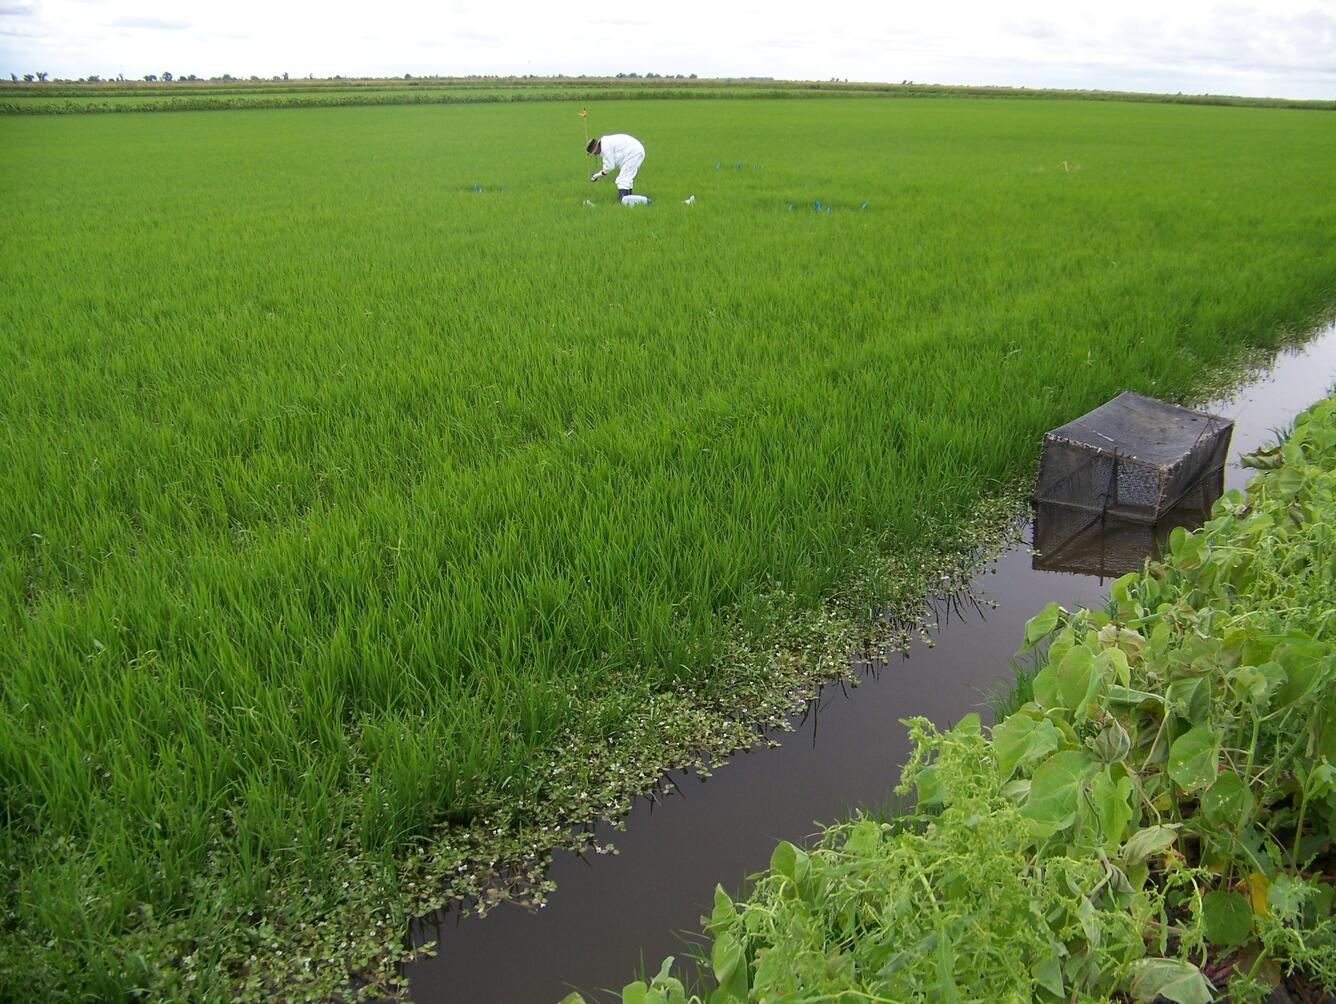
931 791
1190 698
1227 918
1124 645
724 912
788 861
863 839
1115 664
1113 803
1304 662
1020 740
1076 680
1256 684
1048 974
970 725
1192 757
1055 789
1170 979
775 974
730 968
1045 686
1041 625
1144 843
1124 587
1189 550
1125 695
665 970
1227 802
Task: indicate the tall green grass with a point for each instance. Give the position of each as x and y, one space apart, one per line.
332 483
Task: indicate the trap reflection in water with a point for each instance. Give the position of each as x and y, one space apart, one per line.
1068 539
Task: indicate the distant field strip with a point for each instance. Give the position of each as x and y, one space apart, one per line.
67 97
345 450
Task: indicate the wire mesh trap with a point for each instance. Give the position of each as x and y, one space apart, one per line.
1133 457
1130 462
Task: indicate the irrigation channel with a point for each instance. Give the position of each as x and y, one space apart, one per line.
611 912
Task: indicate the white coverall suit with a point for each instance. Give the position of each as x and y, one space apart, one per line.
625 152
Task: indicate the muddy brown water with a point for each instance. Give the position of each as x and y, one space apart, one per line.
611 913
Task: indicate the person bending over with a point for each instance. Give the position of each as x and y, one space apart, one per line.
620 151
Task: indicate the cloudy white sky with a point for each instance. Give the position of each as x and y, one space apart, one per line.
1279 48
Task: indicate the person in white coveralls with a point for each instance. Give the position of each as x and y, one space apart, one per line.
621 151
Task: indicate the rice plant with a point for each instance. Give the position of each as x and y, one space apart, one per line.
346 451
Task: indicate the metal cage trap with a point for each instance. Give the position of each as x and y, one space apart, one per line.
1135 460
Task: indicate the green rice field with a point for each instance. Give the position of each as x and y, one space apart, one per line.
348 451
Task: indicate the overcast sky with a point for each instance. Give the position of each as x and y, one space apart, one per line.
1278 48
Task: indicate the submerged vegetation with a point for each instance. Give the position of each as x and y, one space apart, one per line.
1156 824
355 471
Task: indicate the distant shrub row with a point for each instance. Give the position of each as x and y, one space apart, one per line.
64 101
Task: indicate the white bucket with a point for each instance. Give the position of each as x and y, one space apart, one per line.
636 200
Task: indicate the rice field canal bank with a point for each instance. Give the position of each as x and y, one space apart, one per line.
843 751
1153 820
348 473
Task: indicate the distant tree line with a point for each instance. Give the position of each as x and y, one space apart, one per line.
43 77
166 77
